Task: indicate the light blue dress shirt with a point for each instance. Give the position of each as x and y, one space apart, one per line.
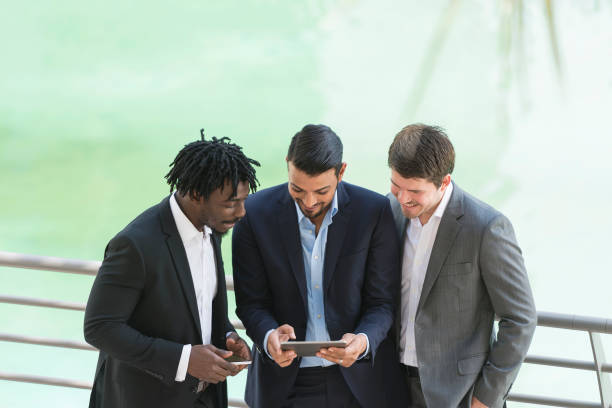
313 253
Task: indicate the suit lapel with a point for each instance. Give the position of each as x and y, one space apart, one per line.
445 237
401 222
219 312
290 234
179 258
216 244
335 236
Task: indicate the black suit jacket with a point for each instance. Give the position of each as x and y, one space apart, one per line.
142 310
360 279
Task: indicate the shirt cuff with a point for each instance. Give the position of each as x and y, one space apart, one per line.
367 350
181 372
265 343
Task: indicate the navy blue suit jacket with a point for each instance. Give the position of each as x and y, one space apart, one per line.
360 282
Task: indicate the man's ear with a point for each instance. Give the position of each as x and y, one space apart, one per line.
341 172
445 182
194 196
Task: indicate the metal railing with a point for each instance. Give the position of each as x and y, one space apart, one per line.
592 325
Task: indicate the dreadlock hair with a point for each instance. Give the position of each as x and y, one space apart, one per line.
203 166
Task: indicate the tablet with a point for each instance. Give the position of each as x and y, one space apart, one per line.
310 348
234 359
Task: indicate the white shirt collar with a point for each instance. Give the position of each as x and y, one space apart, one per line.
185 228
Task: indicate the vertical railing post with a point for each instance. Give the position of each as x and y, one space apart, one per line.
603 379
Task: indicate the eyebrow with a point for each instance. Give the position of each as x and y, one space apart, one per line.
235 198
316 191
396 185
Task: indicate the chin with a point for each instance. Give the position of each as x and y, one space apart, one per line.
411 214
311 214
221 230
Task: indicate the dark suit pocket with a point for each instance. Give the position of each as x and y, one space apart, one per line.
471 365
456 269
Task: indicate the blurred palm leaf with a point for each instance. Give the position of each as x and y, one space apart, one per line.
433 50
554 43
512 28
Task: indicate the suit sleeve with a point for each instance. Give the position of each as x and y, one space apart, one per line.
114 295
505 278
253 297
381 281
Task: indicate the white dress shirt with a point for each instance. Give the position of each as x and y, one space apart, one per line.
417 251
201 258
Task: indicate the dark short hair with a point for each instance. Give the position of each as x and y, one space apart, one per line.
422 151
204 166
316 149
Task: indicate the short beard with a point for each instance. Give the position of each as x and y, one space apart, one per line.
323 211
223 234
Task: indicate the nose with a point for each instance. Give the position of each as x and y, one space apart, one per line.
403 196
310 200
240 211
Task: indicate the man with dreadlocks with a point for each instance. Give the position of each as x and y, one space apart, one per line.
157 310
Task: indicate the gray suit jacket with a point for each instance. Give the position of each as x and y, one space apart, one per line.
475 272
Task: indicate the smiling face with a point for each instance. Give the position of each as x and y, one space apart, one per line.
313 194
220 211
419 197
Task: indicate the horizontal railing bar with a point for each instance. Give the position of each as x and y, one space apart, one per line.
43 341
236 402
61 382
28 301
552 402
59 304
548 361
573 322
566 363
35 379
51 263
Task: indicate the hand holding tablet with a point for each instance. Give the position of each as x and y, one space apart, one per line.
357 345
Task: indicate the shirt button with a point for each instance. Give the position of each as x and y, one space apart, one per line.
318 316
316 256
316 286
